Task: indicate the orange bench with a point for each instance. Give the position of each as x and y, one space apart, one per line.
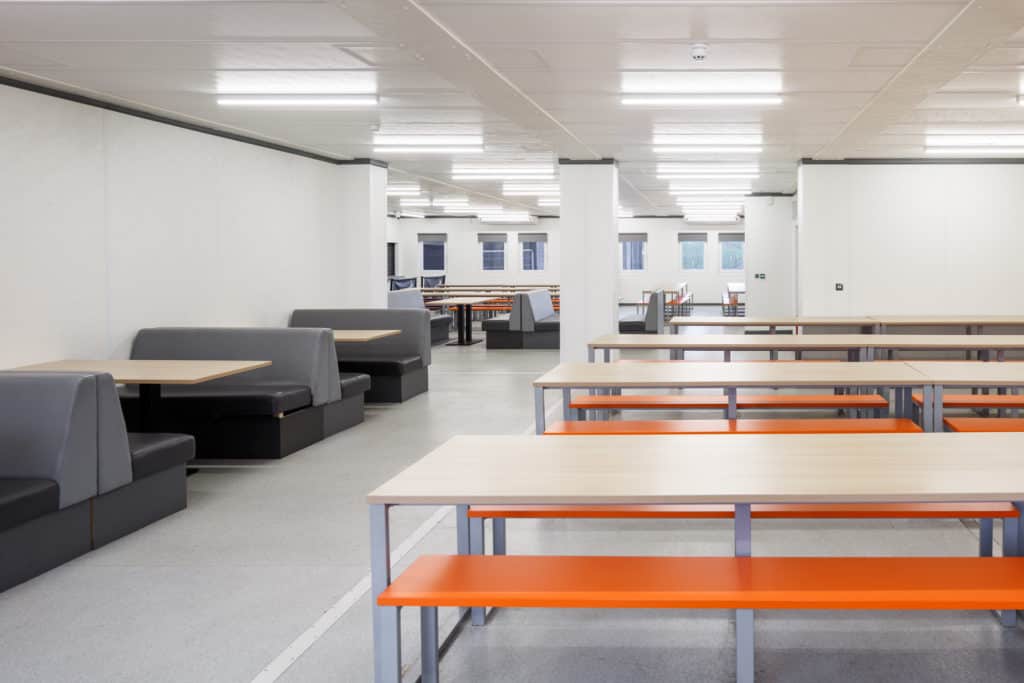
976 400
746 426
985 424
874 402
736 583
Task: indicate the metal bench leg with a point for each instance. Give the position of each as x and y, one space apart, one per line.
581 414
476 547
985 538
1011 548
566 402
428 645
387 625
498 538
462 538
744 617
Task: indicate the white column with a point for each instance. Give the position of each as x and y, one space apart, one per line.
353 260
589 230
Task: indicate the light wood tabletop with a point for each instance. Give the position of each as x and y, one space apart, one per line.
720 375
807 342
462 301
971 373
949 319
153 371
363 335
867 468
743 321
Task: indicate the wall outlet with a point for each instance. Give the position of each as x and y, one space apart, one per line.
839 286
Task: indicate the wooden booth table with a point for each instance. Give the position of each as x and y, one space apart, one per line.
353 336
899 376
664 470
150 374
463 306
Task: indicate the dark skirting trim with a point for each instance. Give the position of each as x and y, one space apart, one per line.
910 161
587 162
187 125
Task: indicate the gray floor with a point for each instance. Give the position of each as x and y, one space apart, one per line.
221 590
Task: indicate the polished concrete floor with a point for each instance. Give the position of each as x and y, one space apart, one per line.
267 568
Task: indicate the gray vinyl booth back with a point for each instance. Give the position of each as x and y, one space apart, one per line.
406 298
298 356
654 321
530 308
414 324
65 427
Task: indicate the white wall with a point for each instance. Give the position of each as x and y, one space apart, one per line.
664 263
770 252
927 239
110 223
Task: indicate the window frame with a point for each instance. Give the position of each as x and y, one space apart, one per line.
541 250
423 256
728 238
700 238
625 238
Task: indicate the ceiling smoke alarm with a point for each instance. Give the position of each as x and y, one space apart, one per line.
699 52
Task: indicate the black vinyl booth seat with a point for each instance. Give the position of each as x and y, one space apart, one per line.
71 477
353 383
268 413
397 365
440 324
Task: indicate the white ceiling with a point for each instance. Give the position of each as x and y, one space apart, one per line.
542 79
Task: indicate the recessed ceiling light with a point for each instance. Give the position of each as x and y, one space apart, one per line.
707 149
708 176
428 150
975 151
528 169
389 140
402 190
702 139
702 100
497 178
676 167
548 201
297 101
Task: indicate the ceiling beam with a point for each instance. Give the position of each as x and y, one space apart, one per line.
447 55
961 42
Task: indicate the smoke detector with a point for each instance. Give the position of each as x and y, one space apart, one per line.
699 52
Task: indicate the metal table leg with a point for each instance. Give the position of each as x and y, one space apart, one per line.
387 627
476 547
538 410
730 410
429 653
149 398
744 617
1011 548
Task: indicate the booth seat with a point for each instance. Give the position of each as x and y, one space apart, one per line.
532 324
267 413
397 365
440 325
653 322
71 477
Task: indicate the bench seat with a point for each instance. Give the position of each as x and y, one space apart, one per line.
227 399
381 367
757 511
354 384
745 426
22 500
976 400
152 453
984 424
751 401
861 583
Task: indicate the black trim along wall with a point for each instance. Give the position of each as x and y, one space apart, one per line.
909 161
178 123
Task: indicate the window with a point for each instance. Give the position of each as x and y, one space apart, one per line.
691 248
534 247
433 248
634 248
731 245
492 247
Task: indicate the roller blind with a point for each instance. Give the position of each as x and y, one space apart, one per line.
632 236
533 237
433 238
730 237
492 236
693 237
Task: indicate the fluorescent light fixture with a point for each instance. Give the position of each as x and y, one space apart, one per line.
530 186
531 193
707 149
677 167
297 101
459 210
737 187
531 169
708 176
428 150
411 214
496 178
388 140
414 201
709 139
508 217
456 199
975 140
402 190
702 100
738 194
975 151
624 213
549 201
710 205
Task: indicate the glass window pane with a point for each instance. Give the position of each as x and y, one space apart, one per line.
433 256
494 255
693 255
533 255
732 255
633 254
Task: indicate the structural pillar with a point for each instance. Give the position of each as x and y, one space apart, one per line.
589 247
353 258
